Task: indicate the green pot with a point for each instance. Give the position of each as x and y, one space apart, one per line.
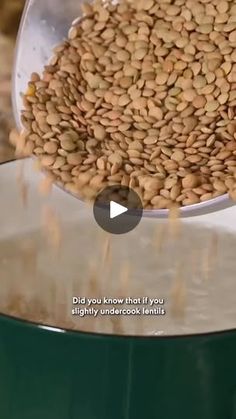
64 375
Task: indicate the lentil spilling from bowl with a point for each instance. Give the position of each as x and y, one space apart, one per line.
142 94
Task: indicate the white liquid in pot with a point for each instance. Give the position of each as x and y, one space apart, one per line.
193 272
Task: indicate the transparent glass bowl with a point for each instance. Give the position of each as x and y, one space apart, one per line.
44 25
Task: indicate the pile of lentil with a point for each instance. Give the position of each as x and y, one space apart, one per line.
142 94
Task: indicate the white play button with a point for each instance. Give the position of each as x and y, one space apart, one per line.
116 209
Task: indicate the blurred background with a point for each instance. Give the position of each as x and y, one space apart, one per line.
10 14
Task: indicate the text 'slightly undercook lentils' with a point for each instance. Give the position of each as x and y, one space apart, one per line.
141 94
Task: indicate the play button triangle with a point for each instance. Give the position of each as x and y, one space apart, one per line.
116 209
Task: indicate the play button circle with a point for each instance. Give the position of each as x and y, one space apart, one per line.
117 209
